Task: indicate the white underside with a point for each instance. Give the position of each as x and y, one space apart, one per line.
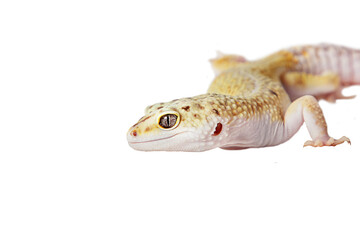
257 132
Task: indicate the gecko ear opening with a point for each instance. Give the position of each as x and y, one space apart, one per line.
218 129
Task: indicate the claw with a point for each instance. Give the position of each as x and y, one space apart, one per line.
330 142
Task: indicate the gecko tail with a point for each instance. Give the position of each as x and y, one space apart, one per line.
224 62
318 59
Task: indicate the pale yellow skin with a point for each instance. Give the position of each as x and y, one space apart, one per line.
249 104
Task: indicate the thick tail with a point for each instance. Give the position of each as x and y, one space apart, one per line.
322 58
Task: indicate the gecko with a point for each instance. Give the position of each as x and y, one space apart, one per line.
253 104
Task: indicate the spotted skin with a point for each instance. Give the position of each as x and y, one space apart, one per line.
254 103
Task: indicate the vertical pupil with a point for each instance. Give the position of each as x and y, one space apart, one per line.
167 117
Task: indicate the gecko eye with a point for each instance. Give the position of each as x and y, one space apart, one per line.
168 121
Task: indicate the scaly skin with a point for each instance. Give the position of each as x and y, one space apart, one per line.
247 104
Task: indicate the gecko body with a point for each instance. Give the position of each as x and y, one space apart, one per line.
253 103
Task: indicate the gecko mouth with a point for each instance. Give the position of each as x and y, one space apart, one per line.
155 140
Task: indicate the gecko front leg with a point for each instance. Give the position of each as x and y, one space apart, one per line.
306 109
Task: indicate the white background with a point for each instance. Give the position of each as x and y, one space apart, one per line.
75 75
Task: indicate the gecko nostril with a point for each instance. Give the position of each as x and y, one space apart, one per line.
133 133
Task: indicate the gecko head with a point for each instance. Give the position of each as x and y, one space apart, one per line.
188 124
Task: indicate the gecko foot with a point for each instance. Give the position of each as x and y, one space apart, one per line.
331 142
332 97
